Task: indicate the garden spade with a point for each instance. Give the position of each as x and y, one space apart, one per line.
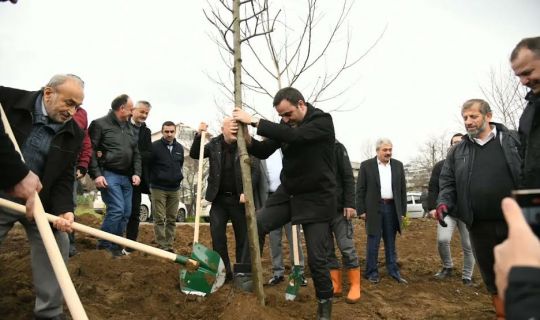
203 265
192 281
295 278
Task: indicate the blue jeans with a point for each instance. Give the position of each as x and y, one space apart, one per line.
389 223
117 198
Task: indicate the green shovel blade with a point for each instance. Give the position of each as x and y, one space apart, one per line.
295 279
210 275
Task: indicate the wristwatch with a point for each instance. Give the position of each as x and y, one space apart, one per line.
254 122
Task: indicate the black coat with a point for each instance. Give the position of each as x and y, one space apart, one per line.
13 169
120 152
344 179
308 178
523 293
368 190
213 151
433 188
59 171
529 130
145 150
455 176
166 166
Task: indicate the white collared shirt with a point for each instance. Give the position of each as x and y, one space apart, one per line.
490 136
385 175
274 164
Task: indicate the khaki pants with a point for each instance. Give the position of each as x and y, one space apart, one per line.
164 211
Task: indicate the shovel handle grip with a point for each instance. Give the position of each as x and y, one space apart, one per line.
20 209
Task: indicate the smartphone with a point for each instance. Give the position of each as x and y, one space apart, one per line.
529 201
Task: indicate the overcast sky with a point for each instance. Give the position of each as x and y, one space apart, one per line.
434 55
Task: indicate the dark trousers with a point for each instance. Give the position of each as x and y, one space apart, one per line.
389 223
485 235
132 229
223 209
317 244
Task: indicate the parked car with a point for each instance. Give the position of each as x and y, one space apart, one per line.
146 210
98 205
414 206
205 212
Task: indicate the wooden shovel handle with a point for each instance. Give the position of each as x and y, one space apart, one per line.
295 245
57 262
199 189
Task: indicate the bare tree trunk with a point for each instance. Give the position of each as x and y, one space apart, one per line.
245 163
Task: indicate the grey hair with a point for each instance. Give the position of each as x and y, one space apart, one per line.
382 141
59 79
146 103
483 106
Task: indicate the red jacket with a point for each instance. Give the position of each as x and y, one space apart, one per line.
81 118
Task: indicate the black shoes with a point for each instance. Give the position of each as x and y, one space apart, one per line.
277 279
467 282
373 279
399 279
303 282
444 273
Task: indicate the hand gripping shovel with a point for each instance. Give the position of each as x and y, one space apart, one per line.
201 265
295 278
191 281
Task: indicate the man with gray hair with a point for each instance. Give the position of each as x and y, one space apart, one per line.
477 174
50 142
381 199
525 60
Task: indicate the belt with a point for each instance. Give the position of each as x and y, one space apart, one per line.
228 194
387 201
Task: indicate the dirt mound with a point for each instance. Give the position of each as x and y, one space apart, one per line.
144 287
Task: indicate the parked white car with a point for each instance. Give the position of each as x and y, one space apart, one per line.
98 205
414 206
146 210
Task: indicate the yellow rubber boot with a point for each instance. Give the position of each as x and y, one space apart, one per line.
335 274
354 285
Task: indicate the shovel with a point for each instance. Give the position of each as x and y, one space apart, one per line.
202 265
295 278
191 281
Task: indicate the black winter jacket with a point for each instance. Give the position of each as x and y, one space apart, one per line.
166 167
523 293
529 130
433 187
145 149
344 179
58 175
120 153
308 178
455 177
213 151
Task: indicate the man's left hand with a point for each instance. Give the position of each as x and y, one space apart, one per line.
241 116
349 213
242 198
136 180
64 222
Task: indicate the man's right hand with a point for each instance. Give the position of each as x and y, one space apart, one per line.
440 213
26 189
432 214
101 182
202 127
362 216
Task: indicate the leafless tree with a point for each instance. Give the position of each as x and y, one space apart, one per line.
288 56
505 95
430 152
244 24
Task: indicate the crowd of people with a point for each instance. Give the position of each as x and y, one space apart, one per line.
301 177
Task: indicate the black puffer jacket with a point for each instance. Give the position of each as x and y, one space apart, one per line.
457 170
213 151
120 153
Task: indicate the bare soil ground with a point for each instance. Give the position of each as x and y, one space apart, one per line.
145 287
